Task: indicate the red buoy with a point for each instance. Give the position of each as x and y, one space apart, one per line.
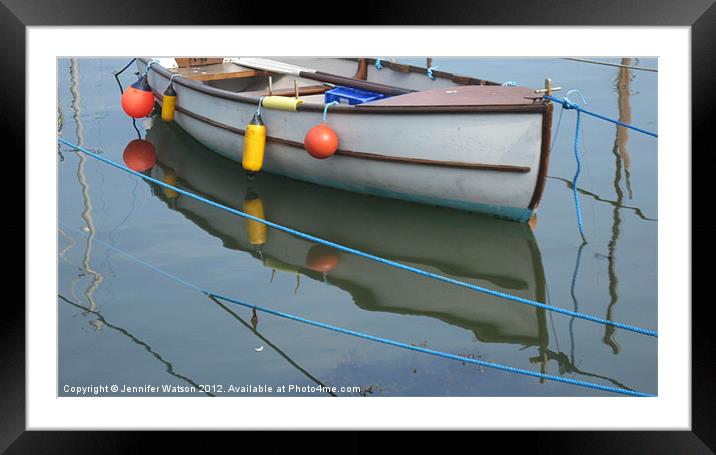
139 155
321 141
321 259
138 99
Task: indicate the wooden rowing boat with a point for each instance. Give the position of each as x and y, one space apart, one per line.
451 141
482 250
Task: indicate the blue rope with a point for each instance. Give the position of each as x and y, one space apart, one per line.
445 355
372 257
576 176
365 336
378 66
567 104
429 72
325 109
510 84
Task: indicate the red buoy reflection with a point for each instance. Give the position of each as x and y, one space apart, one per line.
139 155
321 258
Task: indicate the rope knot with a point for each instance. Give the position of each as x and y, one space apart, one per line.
569 104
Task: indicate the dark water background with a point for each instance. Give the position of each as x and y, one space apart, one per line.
122 323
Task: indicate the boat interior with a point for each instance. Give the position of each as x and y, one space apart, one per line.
358 81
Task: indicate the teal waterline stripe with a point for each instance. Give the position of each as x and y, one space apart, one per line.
372 257
365 336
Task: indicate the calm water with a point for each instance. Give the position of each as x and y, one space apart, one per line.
123 323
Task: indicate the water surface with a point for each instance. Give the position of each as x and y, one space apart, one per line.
125 324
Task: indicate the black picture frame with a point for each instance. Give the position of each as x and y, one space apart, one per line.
16 15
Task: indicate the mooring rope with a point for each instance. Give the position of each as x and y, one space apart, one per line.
568 104
576 177
365 255
365 336
117 73
633 67
325 109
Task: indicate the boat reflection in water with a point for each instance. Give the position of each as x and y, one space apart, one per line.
485 251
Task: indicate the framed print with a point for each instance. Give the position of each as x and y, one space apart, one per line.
341 231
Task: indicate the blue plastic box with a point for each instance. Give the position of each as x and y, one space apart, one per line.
350 95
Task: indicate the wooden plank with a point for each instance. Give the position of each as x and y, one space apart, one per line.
465 80
304 90
217 71
197 61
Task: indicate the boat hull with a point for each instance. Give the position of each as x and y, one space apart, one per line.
490 162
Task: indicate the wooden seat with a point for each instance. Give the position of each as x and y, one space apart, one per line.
304 90
217 71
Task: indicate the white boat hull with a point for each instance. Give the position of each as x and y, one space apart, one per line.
502 139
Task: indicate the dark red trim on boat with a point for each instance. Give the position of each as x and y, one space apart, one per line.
403 68
544 157
536 106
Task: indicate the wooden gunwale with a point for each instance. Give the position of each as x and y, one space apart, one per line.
358 154
346 109
405 68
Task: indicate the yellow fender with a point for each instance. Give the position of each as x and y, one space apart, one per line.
169 102
281 103
254 145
